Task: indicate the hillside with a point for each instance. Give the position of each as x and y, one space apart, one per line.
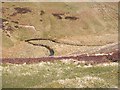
59 45
76 23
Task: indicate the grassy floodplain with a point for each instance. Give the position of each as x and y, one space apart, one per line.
60 74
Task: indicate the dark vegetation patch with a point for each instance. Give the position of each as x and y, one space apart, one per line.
58 16
71 18
8 35
20 10
42 12
4 24
16 26
15 22
62 15
41 20
2 21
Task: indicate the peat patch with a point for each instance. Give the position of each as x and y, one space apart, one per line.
58 16
71 17
15 22
19 10
42 12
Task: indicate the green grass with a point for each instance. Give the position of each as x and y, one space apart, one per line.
60 74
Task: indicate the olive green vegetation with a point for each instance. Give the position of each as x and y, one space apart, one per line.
59 74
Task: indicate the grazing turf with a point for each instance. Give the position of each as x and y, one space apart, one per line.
96 25
59 74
